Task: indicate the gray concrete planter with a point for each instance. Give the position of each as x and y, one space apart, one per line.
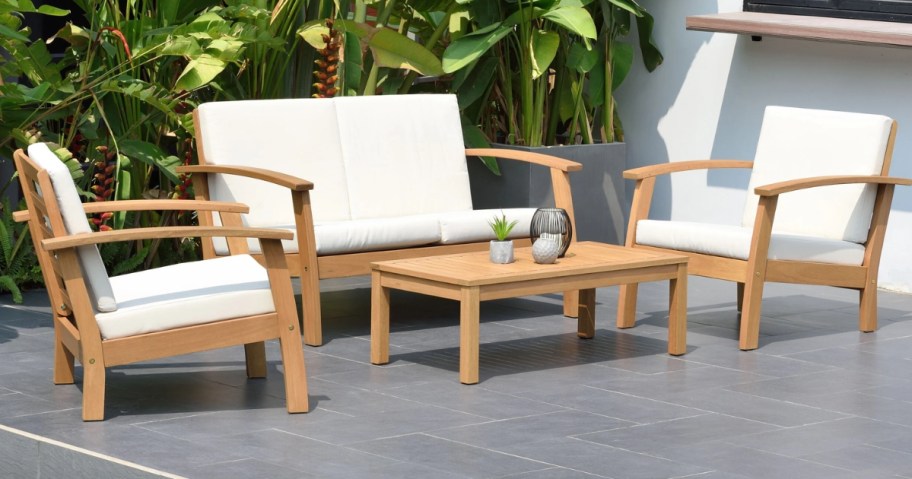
599 199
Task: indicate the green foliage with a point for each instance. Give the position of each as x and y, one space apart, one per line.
501 226
18 264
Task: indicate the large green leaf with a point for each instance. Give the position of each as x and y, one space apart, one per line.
544 49
582 59
475 138
199 71
630 5
469 48
575 19
477 82
621 62
312 32
391 49
652 57
26 6
8 32
151 155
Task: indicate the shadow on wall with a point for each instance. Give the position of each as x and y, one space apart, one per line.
809 74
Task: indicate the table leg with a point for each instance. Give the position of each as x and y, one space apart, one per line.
677 313
380 310
469 309
585 327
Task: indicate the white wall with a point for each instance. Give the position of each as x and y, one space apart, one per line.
707 100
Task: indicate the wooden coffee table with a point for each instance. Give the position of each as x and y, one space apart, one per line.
471 278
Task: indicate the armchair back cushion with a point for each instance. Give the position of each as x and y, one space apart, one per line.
403 154
299 137
75 222
800 143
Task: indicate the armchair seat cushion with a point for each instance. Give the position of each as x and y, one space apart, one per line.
171 297
734 242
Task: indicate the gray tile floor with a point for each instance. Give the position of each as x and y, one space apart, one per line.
818 399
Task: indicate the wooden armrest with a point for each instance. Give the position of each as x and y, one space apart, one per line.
813 182
135 234
677 166
527 156
288 181
146 205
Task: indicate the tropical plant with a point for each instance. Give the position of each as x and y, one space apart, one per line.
18 264
536 72
501 226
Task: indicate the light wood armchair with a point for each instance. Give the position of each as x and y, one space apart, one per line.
824 233
104 322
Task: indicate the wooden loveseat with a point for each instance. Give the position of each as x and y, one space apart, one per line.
357 179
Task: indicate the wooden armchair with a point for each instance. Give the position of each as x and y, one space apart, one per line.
105 322
830 169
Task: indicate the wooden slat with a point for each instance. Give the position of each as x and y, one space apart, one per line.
838 275
288 181
803 183
729 269
583 281
805 27
679 166
101 237
418 285
527 156
340 266
191 339
68 335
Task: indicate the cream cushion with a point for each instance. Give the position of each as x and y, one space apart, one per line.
297 137
403 154
74 219
801 143
187 294
734 242
472 226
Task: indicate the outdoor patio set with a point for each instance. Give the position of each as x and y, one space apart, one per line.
322 195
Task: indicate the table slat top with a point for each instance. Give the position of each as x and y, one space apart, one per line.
476 269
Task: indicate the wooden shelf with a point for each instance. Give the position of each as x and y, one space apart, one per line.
810 28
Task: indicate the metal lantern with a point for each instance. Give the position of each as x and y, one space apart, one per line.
552 221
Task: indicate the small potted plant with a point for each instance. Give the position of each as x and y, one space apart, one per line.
502 248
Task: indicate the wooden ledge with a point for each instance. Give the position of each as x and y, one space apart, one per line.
866 32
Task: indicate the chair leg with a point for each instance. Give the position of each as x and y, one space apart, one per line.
64 361
93 391
750 314
256 359
867 310
627 300
295 371
571 303
310 309
740 296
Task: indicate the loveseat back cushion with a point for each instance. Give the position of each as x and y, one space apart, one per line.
298 137
404 155
74 219
799 143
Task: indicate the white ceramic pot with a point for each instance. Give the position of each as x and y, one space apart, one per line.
501 251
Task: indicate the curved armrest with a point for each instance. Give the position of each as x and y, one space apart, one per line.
527 156
146 205
114 236
677 166
813 182
288 181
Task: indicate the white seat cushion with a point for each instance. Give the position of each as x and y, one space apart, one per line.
74 219
185 294
734 242
799 143
359 235
472 226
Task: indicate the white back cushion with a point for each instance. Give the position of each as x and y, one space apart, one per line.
798 143
74 219
404 155
297 137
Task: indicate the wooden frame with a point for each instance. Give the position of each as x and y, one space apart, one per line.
77 336
312 268
751 274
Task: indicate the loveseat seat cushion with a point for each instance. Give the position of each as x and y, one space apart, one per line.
471 226
359 235
404 155
170 297
734 242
